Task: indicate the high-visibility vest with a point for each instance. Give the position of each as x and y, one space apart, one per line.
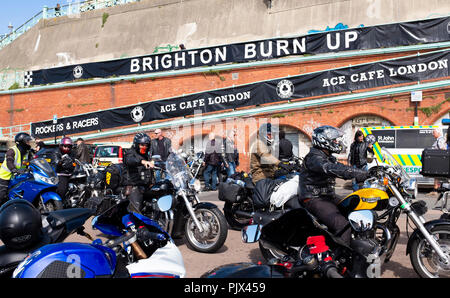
5 173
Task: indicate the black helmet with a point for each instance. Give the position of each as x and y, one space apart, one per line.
263 133
22 139
328 137
141 138
20 224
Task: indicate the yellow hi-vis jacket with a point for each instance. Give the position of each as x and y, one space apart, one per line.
5 173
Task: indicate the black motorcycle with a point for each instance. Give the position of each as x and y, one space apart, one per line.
202 224
56 227
372 213
84 183
242 197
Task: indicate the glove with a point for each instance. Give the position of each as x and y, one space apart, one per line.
16 172
361 175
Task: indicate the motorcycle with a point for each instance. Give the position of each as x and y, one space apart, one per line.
37 185
139 249
56 227
202 225
85 182
242 198
373 212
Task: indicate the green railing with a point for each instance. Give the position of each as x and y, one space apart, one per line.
71 10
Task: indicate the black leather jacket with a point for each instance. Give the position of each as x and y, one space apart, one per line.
358 154
136 174
319 173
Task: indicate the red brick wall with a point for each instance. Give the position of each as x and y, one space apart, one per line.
23 108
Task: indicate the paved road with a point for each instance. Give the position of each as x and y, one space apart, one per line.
235 251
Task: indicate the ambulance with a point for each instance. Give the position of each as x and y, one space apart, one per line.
406 144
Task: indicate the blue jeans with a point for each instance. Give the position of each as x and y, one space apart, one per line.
210 172
355 185
231 170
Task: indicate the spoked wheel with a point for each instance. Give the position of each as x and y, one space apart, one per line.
235 221
214 234
426 262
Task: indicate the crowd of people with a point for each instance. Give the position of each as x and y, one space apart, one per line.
316 179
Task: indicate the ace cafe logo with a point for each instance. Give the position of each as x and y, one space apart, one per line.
285 89
137 114
78 72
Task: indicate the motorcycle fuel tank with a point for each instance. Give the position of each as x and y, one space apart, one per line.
365 199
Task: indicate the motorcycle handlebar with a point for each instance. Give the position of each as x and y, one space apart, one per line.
331 272
119 240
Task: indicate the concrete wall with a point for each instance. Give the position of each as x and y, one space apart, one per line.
139 28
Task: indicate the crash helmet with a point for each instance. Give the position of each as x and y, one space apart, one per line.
22 140
265 133
141 138
20 224
65 145
329 138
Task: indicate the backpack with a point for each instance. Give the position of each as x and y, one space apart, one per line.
115 176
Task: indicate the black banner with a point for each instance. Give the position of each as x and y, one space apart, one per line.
384 73
382 36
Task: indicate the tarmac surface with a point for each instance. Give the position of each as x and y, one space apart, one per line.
234 250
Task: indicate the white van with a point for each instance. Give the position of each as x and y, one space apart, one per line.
406 144
109 153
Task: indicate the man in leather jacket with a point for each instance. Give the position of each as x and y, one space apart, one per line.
137 161
318 178
358 154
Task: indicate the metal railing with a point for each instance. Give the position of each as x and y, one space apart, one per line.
71 10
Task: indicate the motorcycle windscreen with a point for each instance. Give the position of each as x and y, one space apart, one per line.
110 220
42 165
292 229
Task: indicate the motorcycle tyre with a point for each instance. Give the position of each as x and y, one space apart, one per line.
235 222
223 226
415 254
50 206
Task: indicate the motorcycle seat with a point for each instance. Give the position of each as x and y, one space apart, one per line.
69 217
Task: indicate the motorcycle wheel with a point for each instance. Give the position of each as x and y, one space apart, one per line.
50 206
424 259
236 222
214 234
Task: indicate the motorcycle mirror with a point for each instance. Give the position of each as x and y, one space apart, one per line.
251 233
156 157
362 220
164 203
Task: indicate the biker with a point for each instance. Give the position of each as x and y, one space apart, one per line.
136 161
263 163
64 165
318 178
14 162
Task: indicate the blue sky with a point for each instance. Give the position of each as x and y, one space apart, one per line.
18 12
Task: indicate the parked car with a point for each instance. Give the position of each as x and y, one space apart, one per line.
106 154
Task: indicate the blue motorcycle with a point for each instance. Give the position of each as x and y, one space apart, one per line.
140 248
37 185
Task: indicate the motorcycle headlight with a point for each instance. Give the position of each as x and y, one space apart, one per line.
49 180
195 184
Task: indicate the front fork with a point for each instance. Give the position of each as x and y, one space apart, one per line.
419 222
191 210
